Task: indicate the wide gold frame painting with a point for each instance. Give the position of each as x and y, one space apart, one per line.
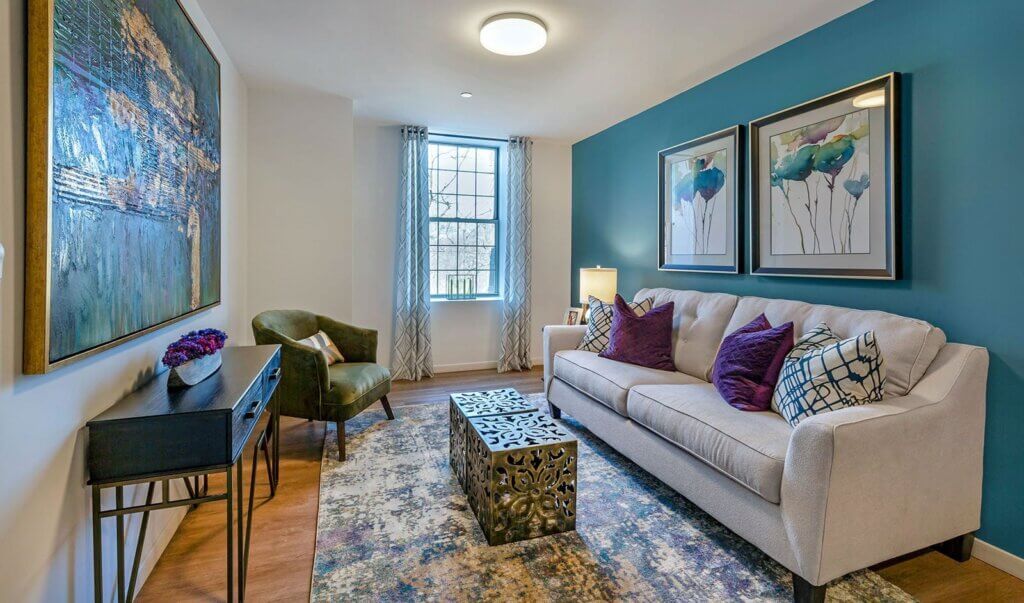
122 233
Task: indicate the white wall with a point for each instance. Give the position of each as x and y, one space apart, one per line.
45 523
300 202
464 334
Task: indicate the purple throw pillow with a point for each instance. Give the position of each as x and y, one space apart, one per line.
749 362
643 340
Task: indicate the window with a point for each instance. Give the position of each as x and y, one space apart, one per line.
463 220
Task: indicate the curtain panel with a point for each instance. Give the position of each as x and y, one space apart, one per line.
410 356
514 343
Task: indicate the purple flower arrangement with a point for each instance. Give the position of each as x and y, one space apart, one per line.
195 344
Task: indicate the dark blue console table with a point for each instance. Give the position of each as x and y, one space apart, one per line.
155 435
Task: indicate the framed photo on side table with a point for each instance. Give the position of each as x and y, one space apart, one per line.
573 316
700 185
824 198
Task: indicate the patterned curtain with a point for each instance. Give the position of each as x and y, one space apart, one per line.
514 345
410 355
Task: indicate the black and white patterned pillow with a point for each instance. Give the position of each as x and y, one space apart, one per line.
599 323
823 373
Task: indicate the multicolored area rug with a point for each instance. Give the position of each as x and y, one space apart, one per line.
395 526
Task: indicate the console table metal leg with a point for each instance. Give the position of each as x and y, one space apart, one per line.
97 548
241 527
141 541
276 418
229 525
119 503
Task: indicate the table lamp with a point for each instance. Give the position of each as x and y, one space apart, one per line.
600 282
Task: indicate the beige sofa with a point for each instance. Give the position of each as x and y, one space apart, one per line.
841 491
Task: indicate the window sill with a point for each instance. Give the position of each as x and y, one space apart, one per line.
445 300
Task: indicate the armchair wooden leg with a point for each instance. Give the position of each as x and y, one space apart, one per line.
387 408
341 440
805 592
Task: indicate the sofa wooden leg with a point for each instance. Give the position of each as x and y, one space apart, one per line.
341 440
387 408
959 548
805 592
556 413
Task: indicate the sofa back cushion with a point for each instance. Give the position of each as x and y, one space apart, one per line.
698 326
908 345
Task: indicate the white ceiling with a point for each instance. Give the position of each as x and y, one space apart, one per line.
406 61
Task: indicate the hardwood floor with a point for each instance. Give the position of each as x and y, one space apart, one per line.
284 528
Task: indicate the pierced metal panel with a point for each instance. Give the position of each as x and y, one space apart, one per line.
504 432
521 474
463 406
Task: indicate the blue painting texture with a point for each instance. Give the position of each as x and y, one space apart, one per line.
135 165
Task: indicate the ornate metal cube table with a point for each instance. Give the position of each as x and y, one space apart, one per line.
465 406
521 476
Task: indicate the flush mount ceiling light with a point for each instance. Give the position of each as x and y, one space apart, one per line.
466 95
868 100
513 34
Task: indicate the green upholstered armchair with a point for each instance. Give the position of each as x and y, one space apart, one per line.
309 388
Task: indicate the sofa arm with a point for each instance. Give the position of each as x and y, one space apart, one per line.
869 483
356 344
556 339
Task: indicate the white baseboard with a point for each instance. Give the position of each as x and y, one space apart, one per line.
998 558
474 366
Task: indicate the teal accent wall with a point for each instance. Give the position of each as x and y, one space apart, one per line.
963 190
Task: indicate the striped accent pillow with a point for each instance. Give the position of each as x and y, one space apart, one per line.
323 344
599 324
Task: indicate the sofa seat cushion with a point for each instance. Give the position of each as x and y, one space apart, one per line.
354 386
608 381
749 447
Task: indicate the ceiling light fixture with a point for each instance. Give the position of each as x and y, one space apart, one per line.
513 34
466 95
869 100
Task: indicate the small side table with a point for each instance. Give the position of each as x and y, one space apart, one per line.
521 476
465 406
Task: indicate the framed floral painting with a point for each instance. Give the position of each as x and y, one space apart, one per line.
700 183
824 200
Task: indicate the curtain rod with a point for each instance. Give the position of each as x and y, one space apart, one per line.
471 137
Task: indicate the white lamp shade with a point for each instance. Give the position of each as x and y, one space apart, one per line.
602 283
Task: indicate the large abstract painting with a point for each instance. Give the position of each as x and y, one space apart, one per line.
699 193
123 217
824 195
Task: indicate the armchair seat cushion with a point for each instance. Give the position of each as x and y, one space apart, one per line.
354 386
